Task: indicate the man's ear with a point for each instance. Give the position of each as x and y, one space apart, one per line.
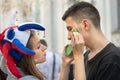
86 24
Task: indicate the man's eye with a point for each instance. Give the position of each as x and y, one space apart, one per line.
69 29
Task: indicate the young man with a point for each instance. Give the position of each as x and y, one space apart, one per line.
103 60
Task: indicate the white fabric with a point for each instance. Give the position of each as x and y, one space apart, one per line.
22 36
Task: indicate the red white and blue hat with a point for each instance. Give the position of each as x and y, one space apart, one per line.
13 41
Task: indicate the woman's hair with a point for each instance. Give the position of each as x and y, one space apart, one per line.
27 63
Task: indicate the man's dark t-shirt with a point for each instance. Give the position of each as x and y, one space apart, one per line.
105 65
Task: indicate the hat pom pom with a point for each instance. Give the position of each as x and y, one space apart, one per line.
10 33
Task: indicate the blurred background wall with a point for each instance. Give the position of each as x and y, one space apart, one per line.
49 13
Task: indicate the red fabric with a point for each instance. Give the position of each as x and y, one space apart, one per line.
1 38
9 28
2 34
10 61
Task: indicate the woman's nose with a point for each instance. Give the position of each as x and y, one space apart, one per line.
44 48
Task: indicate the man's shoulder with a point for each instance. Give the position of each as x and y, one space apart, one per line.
111 55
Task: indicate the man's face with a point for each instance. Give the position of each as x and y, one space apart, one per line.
85 28
70 25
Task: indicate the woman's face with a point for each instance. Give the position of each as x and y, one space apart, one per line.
39 49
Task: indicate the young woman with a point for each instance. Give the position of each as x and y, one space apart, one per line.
22 50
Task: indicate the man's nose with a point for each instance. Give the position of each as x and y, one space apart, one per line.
69 36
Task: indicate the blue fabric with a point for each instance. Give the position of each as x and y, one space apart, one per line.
10 34
22 47
31 26
4 41
16 55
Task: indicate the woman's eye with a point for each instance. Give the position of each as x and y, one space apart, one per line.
38 47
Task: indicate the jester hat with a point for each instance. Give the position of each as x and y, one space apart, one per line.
13 41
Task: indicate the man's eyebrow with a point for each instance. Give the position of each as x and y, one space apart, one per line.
68 26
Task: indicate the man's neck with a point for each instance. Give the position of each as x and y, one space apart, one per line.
97 45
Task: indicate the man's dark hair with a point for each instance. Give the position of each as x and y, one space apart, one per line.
83 10
42 41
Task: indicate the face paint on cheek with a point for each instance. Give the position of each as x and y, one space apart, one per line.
75 30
